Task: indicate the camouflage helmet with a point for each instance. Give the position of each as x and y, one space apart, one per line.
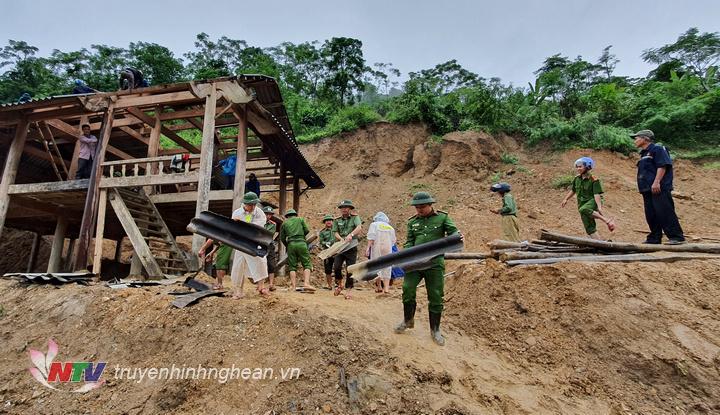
290 212
327 218
422 198
268 209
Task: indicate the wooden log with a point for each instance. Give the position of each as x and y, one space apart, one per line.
241 165
296 194
206 162
646 257
92 200
34 248
467 255
500 244
627 246
100 233
12 162
58 242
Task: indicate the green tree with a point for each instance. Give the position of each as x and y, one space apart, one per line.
345 66
698 52
157 63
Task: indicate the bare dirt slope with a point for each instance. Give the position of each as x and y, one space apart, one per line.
570 338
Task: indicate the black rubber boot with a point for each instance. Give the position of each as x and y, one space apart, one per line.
435 329
408 320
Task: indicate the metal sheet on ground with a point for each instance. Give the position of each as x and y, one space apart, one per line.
189 299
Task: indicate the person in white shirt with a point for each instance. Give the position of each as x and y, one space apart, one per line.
243 264
381 238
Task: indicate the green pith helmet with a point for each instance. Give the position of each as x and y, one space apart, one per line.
327 218
251 198
268 209
422 198
346 203
290 212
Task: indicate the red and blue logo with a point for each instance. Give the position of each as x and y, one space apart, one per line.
52 374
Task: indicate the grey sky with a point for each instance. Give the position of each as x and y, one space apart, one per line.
508 39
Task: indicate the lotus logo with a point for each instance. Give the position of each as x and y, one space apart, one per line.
48 372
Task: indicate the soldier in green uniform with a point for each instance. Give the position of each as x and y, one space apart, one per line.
346 227
292 235
327 239
427 225
272 249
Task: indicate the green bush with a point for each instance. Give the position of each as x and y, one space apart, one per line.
563 182
347 119
508 158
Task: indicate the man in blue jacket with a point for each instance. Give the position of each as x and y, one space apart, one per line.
655 183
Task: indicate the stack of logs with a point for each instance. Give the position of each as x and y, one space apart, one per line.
554 247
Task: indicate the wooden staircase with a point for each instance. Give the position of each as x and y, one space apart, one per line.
153 243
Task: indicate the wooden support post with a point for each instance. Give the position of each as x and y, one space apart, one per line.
33 252
12 162
135 265
58 243
283 189
153 147
67 262
118 250
282 208
206 162
93 194
241 165
72 171
99 232
296 194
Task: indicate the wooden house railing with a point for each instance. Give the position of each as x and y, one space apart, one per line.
149 171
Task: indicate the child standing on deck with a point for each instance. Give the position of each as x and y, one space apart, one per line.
508 212
589 190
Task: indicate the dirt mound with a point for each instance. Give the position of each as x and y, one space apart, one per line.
636 335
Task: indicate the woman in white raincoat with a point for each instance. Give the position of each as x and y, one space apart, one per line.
381 238
244 264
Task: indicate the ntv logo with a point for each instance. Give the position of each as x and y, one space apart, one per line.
46 371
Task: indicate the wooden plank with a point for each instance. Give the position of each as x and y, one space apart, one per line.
147 100
141 248
12 162
184 114
136 181
241 165
18 189
164 130
100 232
127 121
92 201
645 257
206 162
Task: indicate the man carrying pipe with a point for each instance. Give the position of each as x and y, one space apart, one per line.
427 225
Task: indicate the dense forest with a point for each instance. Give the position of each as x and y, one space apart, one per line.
330 88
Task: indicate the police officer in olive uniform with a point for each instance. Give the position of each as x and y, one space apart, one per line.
292 234
346 227
427 225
